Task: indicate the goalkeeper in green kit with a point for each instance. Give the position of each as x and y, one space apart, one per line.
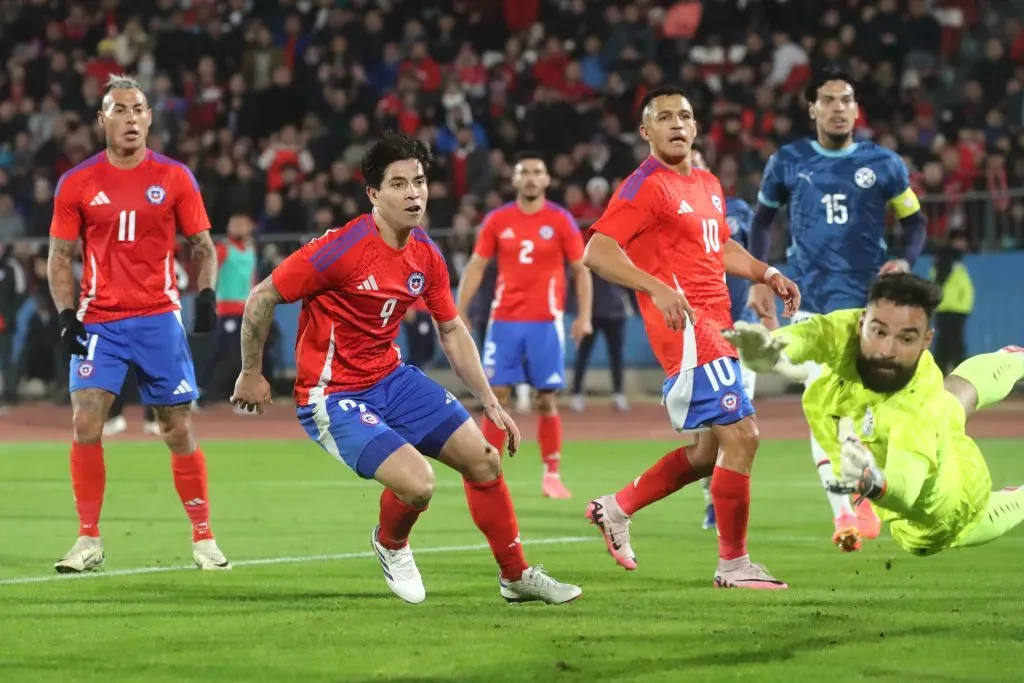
892 426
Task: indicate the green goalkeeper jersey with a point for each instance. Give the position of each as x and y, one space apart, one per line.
937 479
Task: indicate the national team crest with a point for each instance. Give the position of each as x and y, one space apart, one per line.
730 402
864 177
369 419
416 283
547 232
85 369
156 194
717 201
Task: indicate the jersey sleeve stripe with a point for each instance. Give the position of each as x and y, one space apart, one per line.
161 159
91 161
327 255
421 236
635 181
762 199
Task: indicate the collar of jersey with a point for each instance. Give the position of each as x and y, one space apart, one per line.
845 151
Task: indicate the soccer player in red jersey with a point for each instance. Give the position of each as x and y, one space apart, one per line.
533 240
356 398
126 204
664 234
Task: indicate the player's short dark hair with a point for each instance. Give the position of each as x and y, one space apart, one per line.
824 76
906 289
389 149
659 92
528 154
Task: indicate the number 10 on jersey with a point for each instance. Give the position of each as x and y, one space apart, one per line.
712 242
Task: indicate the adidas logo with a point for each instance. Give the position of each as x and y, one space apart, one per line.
369 284
100 199
507 234
555 378
684 207
183 388
195 502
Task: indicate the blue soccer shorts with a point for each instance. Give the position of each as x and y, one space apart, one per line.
155 346
710 394
363 428
533 352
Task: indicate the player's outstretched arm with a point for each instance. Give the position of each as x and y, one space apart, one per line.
469 284
460 349
605 257
251 389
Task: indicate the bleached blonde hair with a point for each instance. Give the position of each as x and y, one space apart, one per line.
120 82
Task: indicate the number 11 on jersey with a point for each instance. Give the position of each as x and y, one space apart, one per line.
126 226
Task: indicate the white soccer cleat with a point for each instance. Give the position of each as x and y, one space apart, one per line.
577 403
620 403
85 555
536 586
115 426
209 557
400 571
151 428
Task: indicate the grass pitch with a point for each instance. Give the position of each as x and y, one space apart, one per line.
307 602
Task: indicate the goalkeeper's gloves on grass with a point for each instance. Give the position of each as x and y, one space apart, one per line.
761 352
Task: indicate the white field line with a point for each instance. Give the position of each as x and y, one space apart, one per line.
49 578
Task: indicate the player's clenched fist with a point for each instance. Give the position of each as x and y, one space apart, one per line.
252 392
674 306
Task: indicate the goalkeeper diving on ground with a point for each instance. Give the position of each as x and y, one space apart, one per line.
892 426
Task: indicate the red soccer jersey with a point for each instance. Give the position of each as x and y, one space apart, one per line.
355 290
127 219
532 250
673 227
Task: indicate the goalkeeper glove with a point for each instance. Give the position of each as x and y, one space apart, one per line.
761 352
858 471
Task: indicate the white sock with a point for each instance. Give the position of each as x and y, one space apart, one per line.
840 502
705 485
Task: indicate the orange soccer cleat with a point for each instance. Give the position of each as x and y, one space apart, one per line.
847 534
868 523
552 487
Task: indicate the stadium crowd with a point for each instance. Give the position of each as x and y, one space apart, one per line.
272 103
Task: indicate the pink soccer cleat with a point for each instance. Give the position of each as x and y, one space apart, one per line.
1012 349
742 573
605 514
868 523
847 534
552 487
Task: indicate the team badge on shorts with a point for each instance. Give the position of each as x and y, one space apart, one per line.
730 402
864 177
717 201
415 283
369 419
547 232
156 194
85 369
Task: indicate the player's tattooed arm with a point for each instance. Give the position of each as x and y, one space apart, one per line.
458 345
256 323
59 273
204 255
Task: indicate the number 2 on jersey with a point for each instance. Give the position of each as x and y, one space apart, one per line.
126 226
386 311
526 251
835 209
712 242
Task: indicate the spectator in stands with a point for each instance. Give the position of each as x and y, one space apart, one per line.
13 290
951 274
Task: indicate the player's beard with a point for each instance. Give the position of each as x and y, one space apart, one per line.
872 379
838 140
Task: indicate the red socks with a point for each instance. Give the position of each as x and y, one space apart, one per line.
494 434
190 482
490 505
666 476
88 480
396 520
549 436
730 494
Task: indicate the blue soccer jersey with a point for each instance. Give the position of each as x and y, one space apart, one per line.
739 215
837 203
